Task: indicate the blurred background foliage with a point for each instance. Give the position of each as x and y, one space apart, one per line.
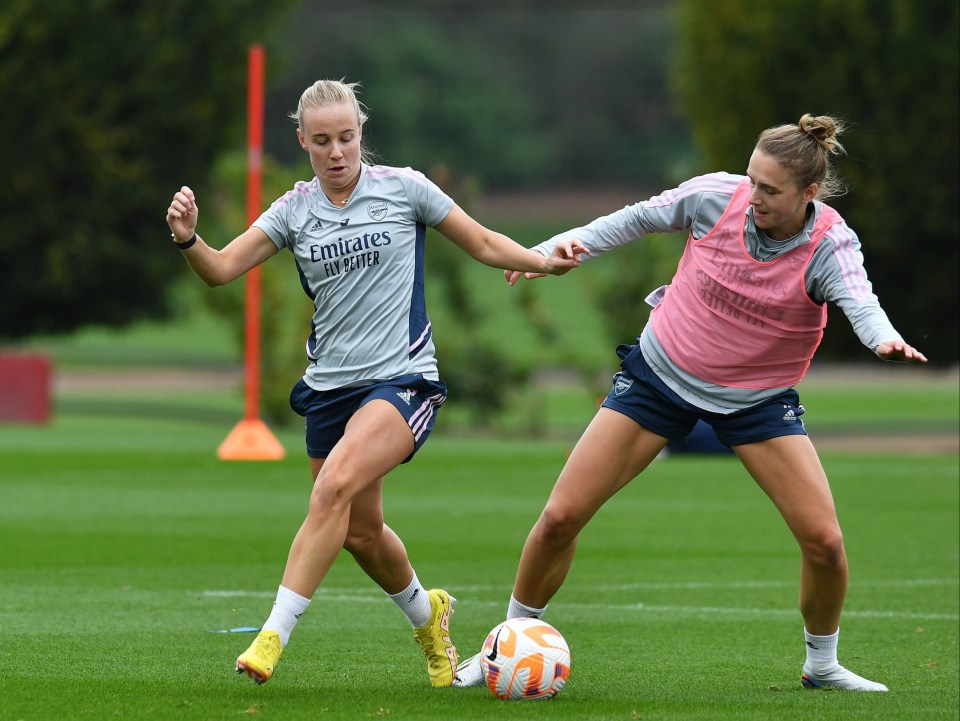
108 107
111 106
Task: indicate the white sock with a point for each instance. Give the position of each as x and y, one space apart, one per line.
821 651
287 610
822 670
518 610
414 602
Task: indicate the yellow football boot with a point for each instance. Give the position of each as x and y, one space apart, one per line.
434 639
262 657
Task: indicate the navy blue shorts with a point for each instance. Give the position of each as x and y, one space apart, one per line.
326 412
639 394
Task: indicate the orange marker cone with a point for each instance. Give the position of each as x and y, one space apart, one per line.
250 440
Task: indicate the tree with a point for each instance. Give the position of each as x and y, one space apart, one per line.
109 108
432 100
891 69
518 93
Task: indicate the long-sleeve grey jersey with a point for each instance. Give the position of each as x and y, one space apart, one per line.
362 265
835 273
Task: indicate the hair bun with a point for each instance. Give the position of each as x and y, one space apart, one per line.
824 129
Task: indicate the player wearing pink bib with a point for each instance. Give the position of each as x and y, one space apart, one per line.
728 339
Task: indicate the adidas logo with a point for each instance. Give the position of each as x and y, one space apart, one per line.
315 227
406 395
789 416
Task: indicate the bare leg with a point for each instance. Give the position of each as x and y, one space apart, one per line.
374 545
377 439
789 471
612 451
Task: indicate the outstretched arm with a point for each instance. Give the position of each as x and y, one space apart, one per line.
897 350
215 267
499 251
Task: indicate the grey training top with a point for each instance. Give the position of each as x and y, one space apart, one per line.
835 273
362 265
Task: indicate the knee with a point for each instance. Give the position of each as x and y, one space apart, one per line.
558 527
331 493
824 549
362 537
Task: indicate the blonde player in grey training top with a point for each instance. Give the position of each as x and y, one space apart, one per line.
727 340
371 391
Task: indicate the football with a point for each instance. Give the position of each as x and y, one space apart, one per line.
525 658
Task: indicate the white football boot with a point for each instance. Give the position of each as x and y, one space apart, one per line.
469 673
838 678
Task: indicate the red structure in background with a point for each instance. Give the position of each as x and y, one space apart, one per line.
250 439
25 388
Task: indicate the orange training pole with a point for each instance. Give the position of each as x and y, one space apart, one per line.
251 440
254 176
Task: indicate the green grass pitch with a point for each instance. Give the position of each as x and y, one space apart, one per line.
126 545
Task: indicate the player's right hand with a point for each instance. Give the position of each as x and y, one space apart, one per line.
182 214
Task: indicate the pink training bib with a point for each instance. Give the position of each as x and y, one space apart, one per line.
735 321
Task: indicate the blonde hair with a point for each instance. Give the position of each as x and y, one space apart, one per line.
324 93
805 149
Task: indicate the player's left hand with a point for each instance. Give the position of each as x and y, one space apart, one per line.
565 255
897 350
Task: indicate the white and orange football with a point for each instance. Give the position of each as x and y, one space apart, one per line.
525 658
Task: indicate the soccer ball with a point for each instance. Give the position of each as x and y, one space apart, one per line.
525 658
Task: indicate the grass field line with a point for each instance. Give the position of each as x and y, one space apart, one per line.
640 586
371 595
734 585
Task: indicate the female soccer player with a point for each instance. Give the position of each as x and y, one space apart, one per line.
371 391
726 342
